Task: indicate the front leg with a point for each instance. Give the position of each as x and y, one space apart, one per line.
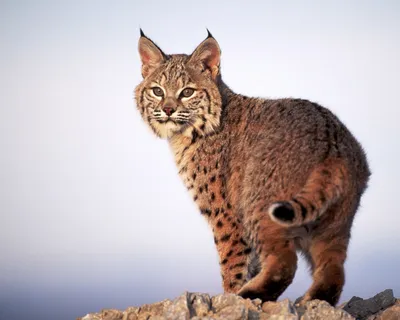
277 255
233 249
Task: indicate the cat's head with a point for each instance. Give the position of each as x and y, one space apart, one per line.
179 93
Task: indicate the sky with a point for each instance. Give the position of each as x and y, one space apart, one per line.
92 212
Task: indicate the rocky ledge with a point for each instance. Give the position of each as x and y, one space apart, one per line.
198 306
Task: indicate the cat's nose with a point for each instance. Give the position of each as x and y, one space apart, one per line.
169 110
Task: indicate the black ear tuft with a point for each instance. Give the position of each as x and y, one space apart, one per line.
209 35
142 33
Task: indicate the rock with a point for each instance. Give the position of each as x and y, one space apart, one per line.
91 316
198 306
391 313
322 310
111 314
238 312
180 308
130 314
147 310
223 300
362 309
105 314
201 304
284 309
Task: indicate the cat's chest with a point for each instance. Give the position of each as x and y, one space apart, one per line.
202 176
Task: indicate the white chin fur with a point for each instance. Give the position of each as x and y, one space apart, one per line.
166 130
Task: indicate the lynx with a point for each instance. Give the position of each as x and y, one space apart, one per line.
272 177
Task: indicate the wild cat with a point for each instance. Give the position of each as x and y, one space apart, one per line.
271 177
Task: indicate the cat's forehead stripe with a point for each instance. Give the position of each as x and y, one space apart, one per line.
175 73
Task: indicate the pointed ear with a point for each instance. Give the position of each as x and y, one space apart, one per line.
150 54
209 54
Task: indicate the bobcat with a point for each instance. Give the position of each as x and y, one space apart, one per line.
271 177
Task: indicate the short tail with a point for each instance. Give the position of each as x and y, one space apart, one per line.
324 187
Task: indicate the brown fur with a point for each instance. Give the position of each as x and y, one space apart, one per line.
270 176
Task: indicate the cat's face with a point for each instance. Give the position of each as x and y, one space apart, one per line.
179 94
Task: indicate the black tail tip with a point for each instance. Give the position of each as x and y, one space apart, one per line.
282 212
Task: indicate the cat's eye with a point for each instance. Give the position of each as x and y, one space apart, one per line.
186 93
158 91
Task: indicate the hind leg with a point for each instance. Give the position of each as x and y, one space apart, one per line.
328 255
278 260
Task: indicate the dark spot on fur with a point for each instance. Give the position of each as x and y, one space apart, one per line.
220 224
238 276
225 238
184 169
287 242
238 265
326 172
302 207
247 250
195 135
206 212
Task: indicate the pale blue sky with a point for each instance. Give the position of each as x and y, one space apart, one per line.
92 212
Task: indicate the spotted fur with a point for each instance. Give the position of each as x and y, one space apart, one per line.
270 176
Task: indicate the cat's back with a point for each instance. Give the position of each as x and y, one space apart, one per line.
291 130
288 120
